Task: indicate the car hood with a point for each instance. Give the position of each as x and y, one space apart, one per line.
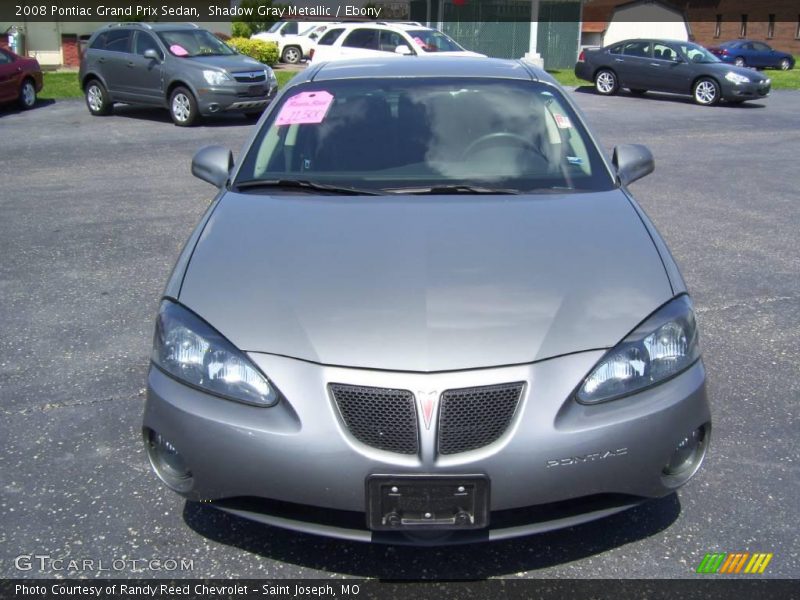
424 283
233 63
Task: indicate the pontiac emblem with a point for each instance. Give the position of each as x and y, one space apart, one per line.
427 404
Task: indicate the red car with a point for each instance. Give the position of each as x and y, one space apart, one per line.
20 79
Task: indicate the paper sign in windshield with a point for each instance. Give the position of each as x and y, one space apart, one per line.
305 108
178 50
562 121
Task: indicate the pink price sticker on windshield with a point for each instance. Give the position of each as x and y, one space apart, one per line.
178 50
305 108
562 121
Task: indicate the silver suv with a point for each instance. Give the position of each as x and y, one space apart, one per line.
181 67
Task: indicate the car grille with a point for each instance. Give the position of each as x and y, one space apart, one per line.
250 76
383 418
471 418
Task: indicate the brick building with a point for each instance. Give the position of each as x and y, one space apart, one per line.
776 22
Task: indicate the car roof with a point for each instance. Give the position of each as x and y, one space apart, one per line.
434 66
154 26
384 25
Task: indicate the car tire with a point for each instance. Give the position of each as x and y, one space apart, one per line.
27 94
292 55
606 83
706 91
183 107
638 92
786 64
97 99
739 62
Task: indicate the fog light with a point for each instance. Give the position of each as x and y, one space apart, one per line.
686 457
168 463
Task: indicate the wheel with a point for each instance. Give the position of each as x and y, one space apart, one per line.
27 94
500 138
182 107
638 92
97 99
786 64
605 82
291 55
739 62
706 91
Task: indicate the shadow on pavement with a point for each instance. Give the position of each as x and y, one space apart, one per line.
674 98
475 561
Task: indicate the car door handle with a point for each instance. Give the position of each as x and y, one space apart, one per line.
131 64
101 60
654 64
618 60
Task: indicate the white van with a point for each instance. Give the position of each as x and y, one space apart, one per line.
295 39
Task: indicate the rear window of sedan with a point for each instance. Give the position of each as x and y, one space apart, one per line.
400 132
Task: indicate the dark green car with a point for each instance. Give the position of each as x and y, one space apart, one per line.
669 66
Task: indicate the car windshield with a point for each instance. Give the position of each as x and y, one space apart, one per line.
698 54
433 41
194 42
400 134
275 27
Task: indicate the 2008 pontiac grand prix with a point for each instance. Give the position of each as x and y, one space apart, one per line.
424 308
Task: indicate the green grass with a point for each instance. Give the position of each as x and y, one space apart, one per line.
567 77
60 85
64 84
785 80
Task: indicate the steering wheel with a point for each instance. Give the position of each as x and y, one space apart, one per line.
501 138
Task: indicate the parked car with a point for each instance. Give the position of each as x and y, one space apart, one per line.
746 53
424 307
669 66
180 67
20 79
295 39
360 40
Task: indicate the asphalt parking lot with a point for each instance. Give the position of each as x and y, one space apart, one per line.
94 213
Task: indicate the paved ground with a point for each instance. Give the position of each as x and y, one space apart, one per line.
94 212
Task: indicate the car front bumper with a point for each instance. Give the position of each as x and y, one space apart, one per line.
559 463
747 91
236 97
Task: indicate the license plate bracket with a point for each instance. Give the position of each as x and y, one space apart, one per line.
424 503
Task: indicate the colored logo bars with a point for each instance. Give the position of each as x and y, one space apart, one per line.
731 563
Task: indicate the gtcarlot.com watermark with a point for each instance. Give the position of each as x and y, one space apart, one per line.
45 562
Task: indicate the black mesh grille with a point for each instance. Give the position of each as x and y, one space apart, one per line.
246 77
471 418
379 417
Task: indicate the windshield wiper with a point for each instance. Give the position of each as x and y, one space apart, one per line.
303 184
452 189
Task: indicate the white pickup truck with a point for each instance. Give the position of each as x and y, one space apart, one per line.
295 39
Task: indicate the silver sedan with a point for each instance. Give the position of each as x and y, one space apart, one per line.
425 308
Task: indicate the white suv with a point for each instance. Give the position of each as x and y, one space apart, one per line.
359 40
295 39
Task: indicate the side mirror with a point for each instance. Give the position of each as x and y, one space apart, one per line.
283 32
152 54
632 162
213 164
403 50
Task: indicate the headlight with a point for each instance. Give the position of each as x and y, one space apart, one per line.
216 77
662 346
736 78
270 74
190 350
